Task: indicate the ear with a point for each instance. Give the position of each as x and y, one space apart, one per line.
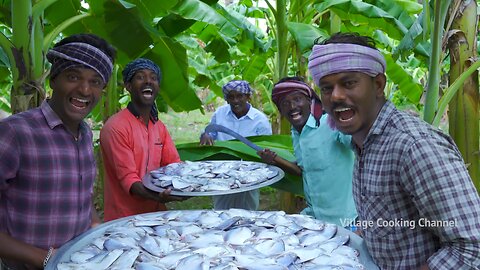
53 84
128 86
380 81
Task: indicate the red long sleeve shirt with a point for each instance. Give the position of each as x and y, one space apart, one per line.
130 149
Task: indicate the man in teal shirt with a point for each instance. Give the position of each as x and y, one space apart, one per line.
324 155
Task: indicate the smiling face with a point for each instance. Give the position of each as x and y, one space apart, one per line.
353 99
238 102
143 88
295 107
76 91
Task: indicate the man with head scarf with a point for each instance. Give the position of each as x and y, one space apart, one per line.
410 181
240 116
46 157
134 142
324 156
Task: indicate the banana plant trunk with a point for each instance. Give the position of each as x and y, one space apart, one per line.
287 199
464 108
27 63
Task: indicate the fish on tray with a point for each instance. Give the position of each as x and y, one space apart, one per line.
201 176
207 239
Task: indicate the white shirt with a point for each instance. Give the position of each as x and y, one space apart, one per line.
254 123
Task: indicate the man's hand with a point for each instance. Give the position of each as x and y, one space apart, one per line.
267 155
206 139
139 189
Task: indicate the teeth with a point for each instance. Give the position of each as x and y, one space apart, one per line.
342 109
147 90
81 100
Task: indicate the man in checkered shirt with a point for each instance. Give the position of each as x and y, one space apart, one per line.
411 187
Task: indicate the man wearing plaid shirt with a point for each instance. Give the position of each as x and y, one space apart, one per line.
410 182
47 166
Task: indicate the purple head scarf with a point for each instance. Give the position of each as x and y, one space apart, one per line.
239 86
79 54
344 57
283 89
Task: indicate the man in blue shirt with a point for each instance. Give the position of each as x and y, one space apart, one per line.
324 157
240 116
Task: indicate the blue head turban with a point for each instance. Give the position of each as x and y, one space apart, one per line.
138 64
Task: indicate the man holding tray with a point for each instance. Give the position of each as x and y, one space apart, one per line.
134 142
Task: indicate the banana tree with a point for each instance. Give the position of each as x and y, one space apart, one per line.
464 108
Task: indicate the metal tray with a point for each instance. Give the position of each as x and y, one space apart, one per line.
64 253
147 182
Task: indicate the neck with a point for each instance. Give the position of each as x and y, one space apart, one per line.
360 137
143 112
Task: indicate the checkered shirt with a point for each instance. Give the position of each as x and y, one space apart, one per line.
46 179
410 172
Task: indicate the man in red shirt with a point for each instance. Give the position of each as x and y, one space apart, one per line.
133 142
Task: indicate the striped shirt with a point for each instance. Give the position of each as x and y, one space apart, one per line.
413 193
46 178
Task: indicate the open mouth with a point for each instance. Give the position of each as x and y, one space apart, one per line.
344 114
295 116
79 103
147 92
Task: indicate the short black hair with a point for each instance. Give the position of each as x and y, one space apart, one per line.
351 37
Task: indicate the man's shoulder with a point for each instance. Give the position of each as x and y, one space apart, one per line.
408 130
117 121
256 113
26 118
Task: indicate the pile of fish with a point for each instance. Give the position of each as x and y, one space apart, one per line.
201 176
215 240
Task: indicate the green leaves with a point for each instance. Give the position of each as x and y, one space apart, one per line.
236 150
404 81
305 34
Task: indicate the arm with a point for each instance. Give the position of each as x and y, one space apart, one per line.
95 218
209 138
206 139
117 149
19 251
436 178
272 158
11 248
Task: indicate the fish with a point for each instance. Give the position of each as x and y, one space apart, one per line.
209 239
204 176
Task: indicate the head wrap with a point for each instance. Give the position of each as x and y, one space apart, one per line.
239 86
282 89
344 57
138 64
79 54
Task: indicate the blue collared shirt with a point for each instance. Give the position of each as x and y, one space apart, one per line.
326 158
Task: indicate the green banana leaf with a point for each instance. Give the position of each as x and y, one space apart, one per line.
236 150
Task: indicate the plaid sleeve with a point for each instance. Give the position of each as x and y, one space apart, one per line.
9 156
442 190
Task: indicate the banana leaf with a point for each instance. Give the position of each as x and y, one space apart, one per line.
236 150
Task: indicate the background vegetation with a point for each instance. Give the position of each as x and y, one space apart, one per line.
431 49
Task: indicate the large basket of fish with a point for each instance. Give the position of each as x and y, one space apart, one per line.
208 239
